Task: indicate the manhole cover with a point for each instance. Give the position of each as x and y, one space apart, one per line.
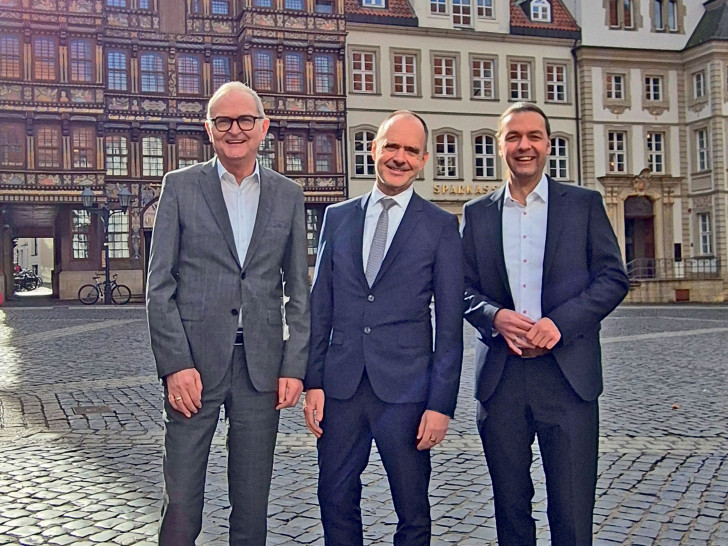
85 410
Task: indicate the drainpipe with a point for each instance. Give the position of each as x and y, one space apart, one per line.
578 116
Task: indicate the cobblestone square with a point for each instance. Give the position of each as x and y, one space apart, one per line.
81 436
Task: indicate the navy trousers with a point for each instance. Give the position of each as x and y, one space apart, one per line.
534 399
343 453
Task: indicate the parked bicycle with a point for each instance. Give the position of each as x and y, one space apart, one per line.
89 294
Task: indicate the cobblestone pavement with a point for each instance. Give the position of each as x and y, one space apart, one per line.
80 437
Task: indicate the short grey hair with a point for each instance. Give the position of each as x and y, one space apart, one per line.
229 87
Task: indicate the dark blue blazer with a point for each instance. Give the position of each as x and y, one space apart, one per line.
583 281
387 329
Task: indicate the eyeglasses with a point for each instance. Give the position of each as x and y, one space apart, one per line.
224 123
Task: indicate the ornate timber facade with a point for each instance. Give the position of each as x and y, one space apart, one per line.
108 94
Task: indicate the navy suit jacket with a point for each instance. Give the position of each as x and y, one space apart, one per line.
387 329
583 281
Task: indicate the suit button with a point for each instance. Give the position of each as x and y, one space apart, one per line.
242 275
234 312
367 330
370 297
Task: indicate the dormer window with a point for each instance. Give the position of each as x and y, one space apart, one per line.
373 3
541 11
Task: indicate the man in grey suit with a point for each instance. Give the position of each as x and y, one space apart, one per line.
229 235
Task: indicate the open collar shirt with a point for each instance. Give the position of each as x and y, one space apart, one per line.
524 244
241 201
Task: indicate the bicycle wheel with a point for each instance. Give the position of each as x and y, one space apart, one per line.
121 294
88 294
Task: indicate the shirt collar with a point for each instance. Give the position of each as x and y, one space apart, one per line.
540 192
227 176
402 199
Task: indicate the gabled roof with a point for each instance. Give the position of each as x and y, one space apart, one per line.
395 12
713 24
562 25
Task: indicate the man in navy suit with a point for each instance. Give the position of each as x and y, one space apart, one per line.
542 269
372 363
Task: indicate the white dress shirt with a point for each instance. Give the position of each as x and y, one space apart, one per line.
524 244
374 209
241 201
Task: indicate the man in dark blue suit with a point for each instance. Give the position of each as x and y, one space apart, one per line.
372 363
542 269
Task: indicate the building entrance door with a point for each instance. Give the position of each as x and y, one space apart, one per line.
639 236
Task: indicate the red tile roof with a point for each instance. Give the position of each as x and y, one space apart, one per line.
395 8
561 19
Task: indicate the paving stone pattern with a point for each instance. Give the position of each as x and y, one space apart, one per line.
81 437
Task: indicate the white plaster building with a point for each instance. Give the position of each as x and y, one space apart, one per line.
652 84
459 64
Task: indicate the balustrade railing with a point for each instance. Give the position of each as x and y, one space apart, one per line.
708 267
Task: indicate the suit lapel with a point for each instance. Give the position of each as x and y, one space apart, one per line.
557 211
267 198
494 232
410 219
357 237
211 189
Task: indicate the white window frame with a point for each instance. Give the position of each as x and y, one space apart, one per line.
362 139
617 151
556 83
541 11
119 235
484 9
360 72
447 154
615 87
488 160
655 142
373 3
444 75
705 233
559 158
519 86
699 89
480 82
702 150
407 80
462 13
654 89
438 7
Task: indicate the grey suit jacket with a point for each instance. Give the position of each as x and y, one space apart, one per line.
197 286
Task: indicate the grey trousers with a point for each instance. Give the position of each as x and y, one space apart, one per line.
252 429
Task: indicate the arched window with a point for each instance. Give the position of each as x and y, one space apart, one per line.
485 156
446 155
559 159
363 160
